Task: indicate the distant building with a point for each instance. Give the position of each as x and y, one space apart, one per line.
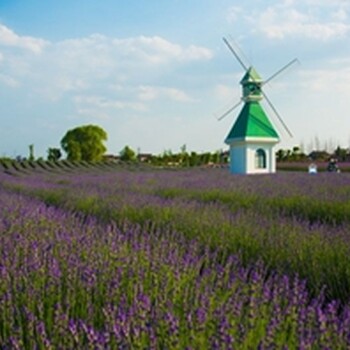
111 157
144 157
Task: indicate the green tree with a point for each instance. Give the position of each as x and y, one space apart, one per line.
280 155
215 158
31 152
84 143
194 159
205 158
54 154
341 153
183 156
127 154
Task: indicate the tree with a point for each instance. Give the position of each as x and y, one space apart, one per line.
183 155
194 159
84 143
127 154
31 152
204 158
215 158
281 155
341 153
54 154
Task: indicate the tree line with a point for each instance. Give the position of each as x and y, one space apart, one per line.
297 155
86 143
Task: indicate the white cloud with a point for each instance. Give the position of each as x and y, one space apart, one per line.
224 92
325 3
95 65
92 114
278 23
340 15
93 103
335 81
67 84
227 96
9 38
149 93
98 101
156 50
319 102
315 19
193 53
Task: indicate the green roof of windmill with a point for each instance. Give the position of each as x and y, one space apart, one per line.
251 76
252 122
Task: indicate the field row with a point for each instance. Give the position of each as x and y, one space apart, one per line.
18 168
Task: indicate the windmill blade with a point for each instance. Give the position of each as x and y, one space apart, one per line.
239 50
277 114
235 53
281 70
229 111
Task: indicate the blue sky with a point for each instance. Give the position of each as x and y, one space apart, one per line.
155 74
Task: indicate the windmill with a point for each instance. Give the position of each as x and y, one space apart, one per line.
252 138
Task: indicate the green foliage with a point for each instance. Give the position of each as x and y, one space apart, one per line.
31 153
127 154
84 143
189 159
295 154
341 154
319 155
54 154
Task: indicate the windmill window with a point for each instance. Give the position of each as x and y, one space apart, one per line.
260 159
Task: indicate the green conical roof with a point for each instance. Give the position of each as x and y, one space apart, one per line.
252 122
251 76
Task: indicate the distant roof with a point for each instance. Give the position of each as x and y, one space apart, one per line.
252 122
251 76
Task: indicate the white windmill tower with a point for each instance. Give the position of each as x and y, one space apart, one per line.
252 138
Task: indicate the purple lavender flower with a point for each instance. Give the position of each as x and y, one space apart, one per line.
168 260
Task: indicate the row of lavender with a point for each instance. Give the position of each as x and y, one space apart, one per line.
69 282
294 223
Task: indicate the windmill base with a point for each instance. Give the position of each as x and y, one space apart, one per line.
252 157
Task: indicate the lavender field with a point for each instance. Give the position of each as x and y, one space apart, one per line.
128 258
